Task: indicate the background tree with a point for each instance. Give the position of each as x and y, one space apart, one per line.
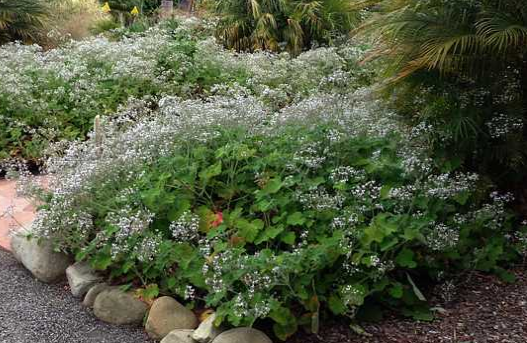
21 19
282 24
459 69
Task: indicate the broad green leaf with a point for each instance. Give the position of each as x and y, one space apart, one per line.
288 238
269 233
210 172
397 291
405 258
296 218
283 332
336 305
101 262
272 186
249 229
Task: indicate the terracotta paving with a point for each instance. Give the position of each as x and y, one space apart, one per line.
15 212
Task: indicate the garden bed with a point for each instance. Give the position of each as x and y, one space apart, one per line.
485 310
278 192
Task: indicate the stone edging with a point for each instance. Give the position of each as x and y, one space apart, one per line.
166 319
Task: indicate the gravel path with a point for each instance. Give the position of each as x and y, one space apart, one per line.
33 312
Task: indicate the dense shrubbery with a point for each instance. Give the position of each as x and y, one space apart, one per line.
325 205
51 95
271 189
48 96
461 72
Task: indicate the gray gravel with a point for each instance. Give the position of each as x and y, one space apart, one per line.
33 312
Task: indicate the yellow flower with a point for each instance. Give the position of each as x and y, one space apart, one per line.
106 8
135 11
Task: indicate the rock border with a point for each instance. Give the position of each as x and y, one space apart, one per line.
165 320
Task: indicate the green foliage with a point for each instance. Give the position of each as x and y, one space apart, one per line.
459 68
124 7
21 19
52 106
256 233
44 95
273 25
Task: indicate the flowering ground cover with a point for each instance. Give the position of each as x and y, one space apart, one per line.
280 192
48 96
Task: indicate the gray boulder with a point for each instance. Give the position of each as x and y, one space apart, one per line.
39 258
117 307
166 315
179 336
242 335
206 331
92 294
81 278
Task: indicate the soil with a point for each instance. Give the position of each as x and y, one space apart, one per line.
484 310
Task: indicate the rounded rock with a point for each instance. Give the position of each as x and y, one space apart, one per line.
207 331
242 335
179 336
92 294
166 315
117 307
40 258
81 278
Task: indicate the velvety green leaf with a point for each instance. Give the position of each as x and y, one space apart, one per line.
249 230
405 258
272 186
288 238
211 171
397 291
296 218
269 233
336 305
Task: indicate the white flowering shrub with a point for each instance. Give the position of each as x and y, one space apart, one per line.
325 205
47 96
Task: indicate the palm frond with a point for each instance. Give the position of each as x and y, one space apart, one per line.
502 32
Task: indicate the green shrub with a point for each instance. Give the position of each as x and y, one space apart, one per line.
459 68
47 96
121 9
104 25
325 206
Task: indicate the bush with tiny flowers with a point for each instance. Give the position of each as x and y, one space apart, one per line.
272 216
54 95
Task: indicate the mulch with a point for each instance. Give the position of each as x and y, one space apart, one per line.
483 310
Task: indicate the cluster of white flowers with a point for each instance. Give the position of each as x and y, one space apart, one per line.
245 303
130 222
445 186
501 125
147 249
367 190
442 237
347 221
346 173
186 228
320 200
